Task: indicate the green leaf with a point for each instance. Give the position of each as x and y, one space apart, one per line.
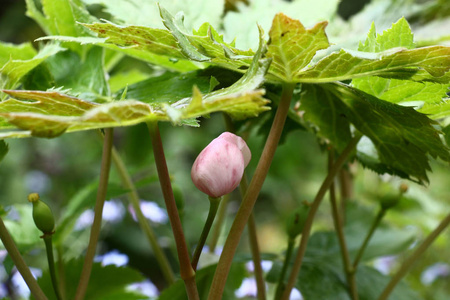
105 283
370 283
292 46
399 139
49 114
402 137
23 229
86 78
156 46
395 90
21 62
396 63
326 115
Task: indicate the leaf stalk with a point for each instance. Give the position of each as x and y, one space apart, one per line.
249 200
98 211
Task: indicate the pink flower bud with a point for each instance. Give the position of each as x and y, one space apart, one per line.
218 169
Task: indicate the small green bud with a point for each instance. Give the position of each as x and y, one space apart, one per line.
392 199
42 214
296 220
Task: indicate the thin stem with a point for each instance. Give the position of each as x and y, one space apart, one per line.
61 271
407 264
224 265
254 246
20 264
312 212
51 264
213 206
346 189
186 271
338 226
287 259
133 197
363 247
221 213
98 211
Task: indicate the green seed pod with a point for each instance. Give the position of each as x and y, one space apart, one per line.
296 221
42 214
392 199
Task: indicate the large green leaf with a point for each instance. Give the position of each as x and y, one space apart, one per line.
84 77
402 137
347 64
49 114
399 139
17 61
426 94
292 46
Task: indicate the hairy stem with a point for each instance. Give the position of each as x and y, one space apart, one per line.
19 262
363 247
407 264
98 211
339 227
186 271
133 197
213 206
221 213
287 259
312 213
224 265
51 265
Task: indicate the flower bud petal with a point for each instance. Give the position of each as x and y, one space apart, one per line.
218 169
238 141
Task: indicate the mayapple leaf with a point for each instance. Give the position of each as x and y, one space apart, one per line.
402 137
347 64
325 113
427 94
60 18
49 114
21 61
121 37
292 47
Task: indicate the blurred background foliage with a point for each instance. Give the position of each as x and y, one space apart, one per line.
60 168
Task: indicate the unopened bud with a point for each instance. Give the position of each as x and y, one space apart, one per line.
42 214
218 169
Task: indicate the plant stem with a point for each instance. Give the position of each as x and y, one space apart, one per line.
19 262
51 264
407 264
133 197
186 271
254 246
246 207
287 258
312 212
338 226
363 247
213 206
215 234
98 211
346 190
61 271
252 234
